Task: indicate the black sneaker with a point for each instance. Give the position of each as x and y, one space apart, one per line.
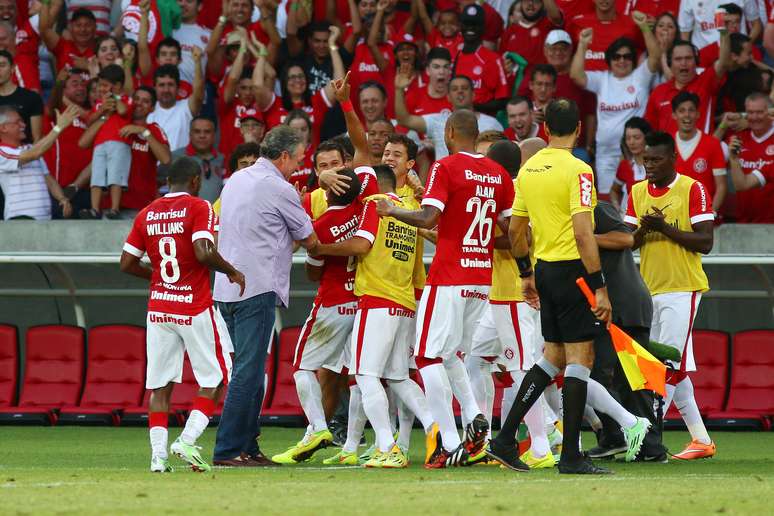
582 466
602 451
113 215
506 455
89 214
475 435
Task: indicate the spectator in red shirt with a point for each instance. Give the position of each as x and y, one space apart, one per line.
434 97
751 162
493 22
733 22
482 65
631 169
303 177
252 127
744 76
354 32
683 58
666 34
446 34
236 99
608 26
699 155
22 41
82 29
521 122
542 85
527 36
239 15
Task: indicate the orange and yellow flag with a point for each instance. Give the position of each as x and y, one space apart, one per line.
642 370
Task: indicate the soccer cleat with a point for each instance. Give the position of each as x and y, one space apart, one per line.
478 458
376 460
305 448
555 440
506 455
475 435
696 450
582 466
395 459
190 454
444 459
546 462
160 465
368 454
342 458
635 436
432 442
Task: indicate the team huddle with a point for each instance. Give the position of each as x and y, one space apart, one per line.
513 228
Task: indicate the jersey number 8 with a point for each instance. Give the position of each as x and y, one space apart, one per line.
168 252
481 220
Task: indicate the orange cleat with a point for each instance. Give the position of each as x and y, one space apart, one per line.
696 450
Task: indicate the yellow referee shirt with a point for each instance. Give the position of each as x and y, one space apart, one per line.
506 283
552 186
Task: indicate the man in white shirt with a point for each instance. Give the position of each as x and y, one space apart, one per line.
174 116
696 20
190 34
24 176
460 96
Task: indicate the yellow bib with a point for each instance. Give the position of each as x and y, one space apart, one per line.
319 203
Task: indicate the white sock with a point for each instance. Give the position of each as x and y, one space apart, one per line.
686 404
194 427
460 386
356 420
554 399
670 394
392 408
310 396
509 396
549 416
601 400
480 372
375 406
411 395
592 418
159 436
439 400
405 424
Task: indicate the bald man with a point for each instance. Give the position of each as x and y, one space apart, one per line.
530 147
464 206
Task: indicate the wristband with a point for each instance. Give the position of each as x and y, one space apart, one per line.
222 19
333 48
146 133
346 106
524 263
527 274
56 129
595 280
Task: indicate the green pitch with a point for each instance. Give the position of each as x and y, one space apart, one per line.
105 470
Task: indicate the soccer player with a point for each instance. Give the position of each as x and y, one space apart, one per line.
466 193
555 194
674 221
387 266
176 231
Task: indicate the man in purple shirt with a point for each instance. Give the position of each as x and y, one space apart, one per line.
261 218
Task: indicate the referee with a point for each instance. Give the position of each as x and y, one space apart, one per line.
555 195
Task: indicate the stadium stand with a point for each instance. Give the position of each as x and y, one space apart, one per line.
9 365
284 407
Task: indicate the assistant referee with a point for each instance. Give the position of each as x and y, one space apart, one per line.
555 195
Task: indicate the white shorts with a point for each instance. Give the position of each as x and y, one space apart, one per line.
381 342
324 339
506 331
204 337
447 316
673 316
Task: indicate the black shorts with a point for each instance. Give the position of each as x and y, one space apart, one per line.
565 315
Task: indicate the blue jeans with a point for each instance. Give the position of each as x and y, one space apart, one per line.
250 323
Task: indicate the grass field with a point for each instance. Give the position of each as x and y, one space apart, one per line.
104 470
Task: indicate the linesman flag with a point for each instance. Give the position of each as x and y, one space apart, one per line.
642 370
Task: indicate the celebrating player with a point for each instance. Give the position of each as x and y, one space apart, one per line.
464 205
177 232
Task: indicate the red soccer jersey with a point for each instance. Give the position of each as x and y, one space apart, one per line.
109 132
757 157
537 131
27 73
65 51
649 7
130 22
605 32
142 188
364 69
65 159
166 231
320 104
699 202
230 122
572 8
419 102
527 39
452 44
485 68
629 175
471 191
659 110
337 283
704 163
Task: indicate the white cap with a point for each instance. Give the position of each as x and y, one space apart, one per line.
558 36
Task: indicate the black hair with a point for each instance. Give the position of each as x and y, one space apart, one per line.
660 138
465 77
372 84
545 69
182 170
328 146
202 117
732 9
113 74
737 42
635 122
242 150
287 101
438 53
617 45
299 113
507 154
170 42
682 43
83 13
685 96
346 144
351 192
150 91
167 70
386 174
7 55
562 117
318 26
402 139
518 99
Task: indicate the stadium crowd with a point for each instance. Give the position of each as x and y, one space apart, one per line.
150 80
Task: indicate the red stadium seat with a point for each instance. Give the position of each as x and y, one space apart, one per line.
284 407
115 375
9 365
53 374
750 401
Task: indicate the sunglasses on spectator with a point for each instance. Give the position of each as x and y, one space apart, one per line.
629 56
